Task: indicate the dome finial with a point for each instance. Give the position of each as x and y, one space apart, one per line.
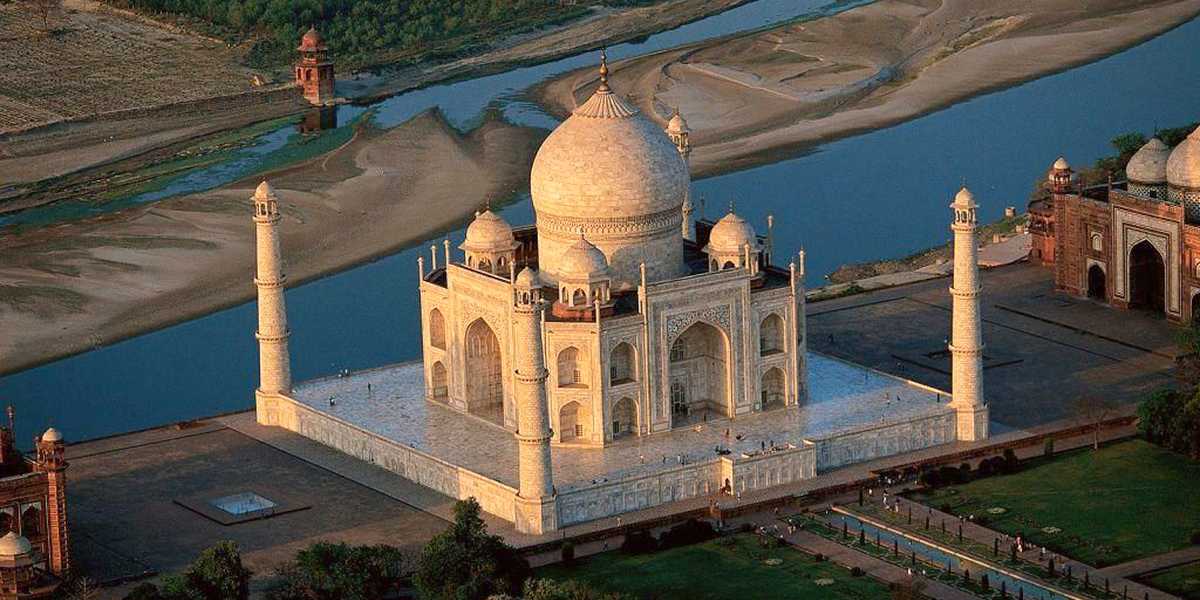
731 207
604 70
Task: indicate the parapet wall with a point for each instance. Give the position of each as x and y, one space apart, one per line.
886 439
405 461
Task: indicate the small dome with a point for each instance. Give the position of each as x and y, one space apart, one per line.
312 40
12 545
52 435
489 233
528 278
677 124
965 198
1149 163
731 234
1183 167
264 191
583 260
1061 164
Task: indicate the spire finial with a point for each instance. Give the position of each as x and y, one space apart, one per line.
604 70
731 207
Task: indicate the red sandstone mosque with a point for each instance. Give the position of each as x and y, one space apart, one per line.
314 70
1131 244
34 557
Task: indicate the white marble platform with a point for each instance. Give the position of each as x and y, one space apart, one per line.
843 397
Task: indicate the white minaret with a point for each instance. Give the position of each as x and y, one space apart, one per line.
680 135
536 510
966 343
275 371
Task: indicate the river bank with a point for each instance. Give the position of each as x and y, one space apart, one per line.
757 98
94 141
71 287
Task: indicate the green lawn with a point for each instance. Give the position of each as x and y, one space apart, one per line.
1126 501
1182 581
710 570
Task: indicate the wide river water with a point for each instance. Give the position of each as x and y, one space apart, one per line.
879 194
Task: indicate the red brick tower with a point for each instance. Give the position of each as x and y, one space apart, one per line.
51 460
314 71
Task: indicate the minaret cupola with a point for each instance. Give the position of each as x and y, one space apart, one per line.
490 245
584 278
732 244
1060 176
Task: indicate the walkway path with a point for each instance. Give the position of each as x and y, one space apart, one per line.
987 537
881 570
1157 562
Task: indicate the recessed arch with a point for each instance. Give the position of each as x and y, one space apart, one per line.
622 364
579 298
437 329
439 382
624 417
773 389
485 388
571 368
571 422
1096 283
770 335
1147 278
728 265
699 375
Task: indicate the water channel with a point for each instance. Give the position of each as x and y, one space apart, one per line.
880 194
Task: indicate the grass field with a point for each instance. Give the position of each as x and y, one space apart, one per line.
1126 501
710 570
1182 581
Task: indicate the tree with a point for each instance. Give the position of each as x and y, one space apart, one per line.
1093 410
327 571
217 574
465 562
45 9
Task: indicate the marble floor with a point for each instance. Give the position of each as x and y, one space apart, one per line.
390 402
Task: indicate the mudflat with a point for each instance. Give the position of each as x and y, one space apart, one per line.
751 98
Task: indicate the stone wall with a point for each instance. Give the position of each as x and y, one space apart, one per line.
769 469
407 462
636 493
887 439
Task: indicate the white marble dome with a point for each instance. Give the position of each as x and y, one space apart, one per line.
527 278
488 233
12 545
731 234
1183 166
964 198
1149 163
612 174
583 261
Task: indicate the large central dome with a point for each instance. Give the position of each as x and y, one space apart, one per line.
611 174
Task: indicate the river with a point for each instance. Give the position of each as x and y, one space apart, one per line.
879 194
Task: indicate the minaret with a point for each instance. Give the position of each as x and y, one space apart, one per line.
536 511
51 460
275 372
966 343
680 135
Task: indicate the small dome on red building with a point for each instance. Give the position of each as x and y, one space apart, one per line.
312 41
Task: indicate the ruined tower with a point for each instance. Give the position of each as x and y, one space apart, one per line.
275 373
966 342
314 70
535 511
51 460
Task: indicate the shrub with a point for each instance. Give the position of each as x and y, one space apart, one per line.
1196 537
327 570
465 562
639 542
692 531
144 591
930 478
856 572
217 574
568 551
1011 463
548 589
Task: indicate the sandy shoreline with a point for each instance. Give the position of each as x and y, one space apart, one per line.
72 287
759 98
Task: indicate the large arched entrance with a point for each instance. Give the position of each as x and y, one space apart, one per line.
774 389
1147 276
485 391
699 375
571 424
1095 289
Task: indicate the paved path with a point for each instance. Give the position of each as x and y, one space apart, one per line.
1157 562
881 570
986 536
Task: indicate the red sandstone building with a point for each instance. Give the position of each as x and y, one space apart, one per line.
314 71
34 557
1132 244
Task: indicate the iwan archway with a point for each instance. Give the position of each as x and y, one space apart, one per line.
1147 278
699 376
485 389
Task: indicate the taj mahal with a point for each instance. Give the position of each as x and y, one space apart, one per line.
617 354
